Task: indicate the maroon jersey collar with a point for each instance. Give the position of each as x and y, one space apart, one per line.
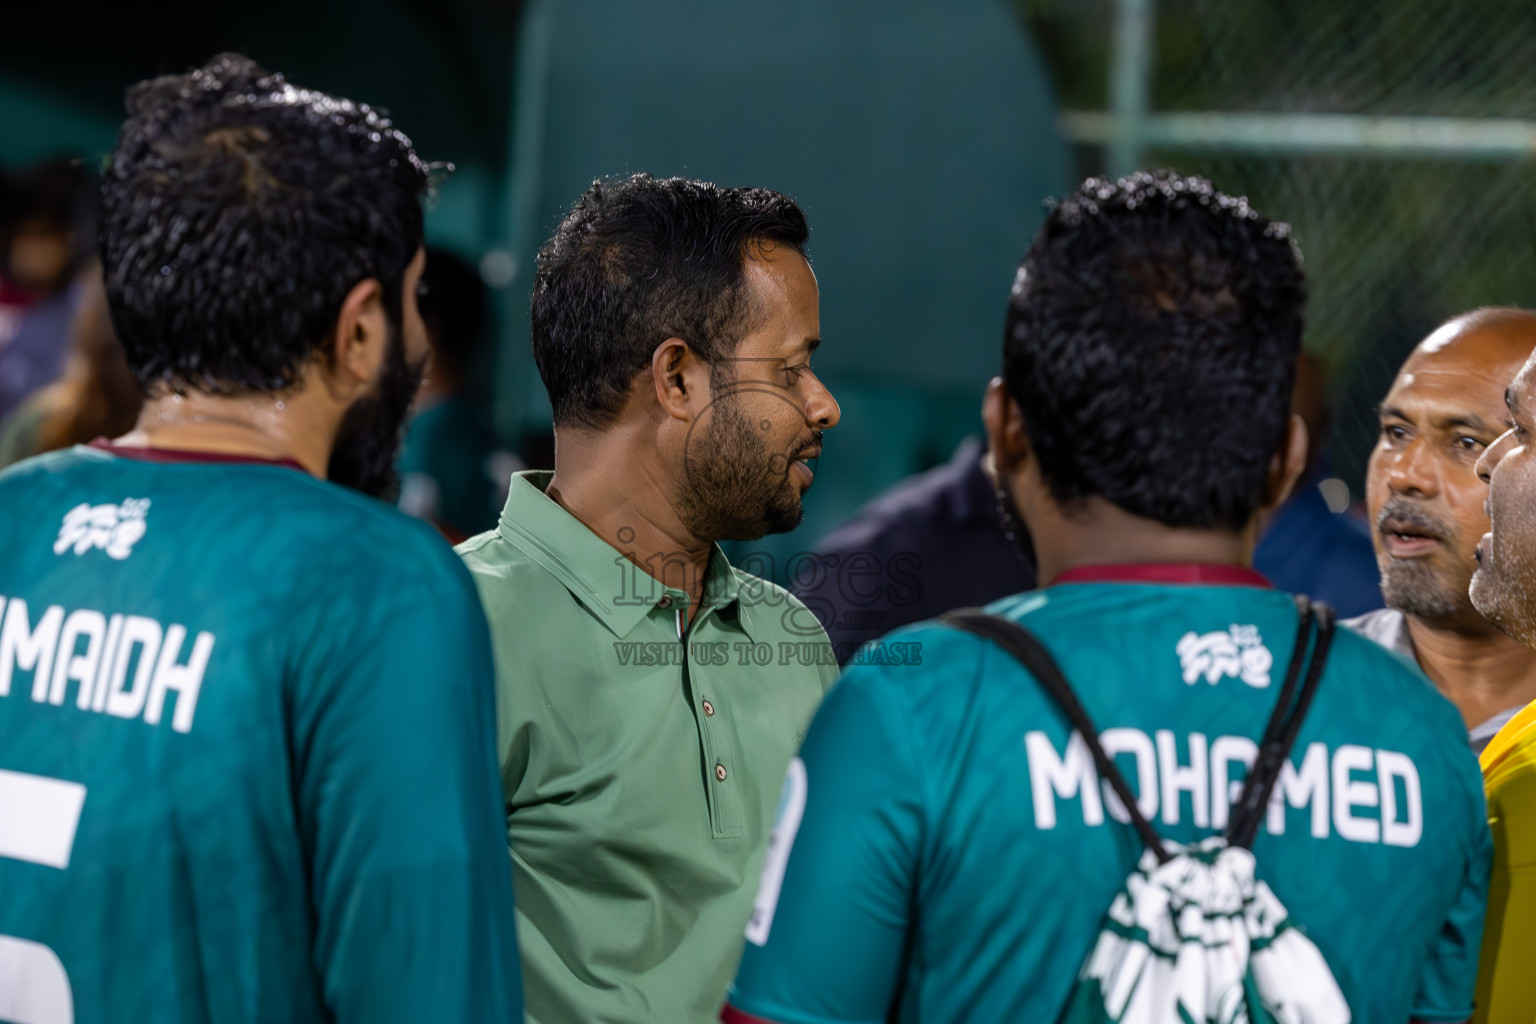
1188 573
180 455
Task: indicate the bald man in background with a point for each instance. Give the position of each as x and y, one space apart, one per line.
1427 513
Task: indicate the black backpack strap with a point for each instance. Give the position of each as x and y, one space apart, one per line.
1031 653
1285 721
1275 747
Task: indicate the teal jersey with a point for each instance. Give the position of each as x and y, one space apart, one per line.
946 851
247 754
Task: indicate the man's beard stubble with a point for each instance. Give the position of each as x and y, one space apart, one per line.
1411 585
368 440
736 488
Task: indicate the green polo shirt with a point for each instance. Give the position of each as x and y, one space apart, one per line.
641 767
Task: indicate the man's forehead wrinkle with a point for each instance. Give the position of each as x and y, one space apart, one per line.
1450 389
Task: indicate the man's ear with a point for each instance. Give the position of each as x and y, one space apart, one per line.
1007 441
362 335
1287 465
681 379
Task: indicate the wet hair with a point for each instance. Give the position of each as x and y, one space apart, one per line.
1151 345
638 261
238 210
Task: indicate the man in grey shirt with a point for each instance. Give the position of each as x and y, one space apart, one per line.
1426 503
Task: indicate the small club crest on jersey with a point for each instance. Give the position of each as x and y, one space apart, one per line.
1237 652
114 529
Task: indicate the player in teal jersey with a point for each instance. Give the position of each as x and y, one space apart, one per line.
946 851
247 763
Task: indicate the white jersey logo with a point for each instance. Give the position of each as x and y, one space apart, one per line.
1234 653
114 529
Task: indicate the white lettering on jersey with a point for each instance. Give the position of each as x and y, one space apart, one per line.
1194 779
1304 787
1349 794
186 680
81 666
786 825
1051 775
127 667
114 529
1130 741
1391 766
1160 780
1235 653
25 648
1225 752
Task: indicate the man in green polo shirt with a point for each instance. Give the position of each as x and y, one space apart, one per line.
651 696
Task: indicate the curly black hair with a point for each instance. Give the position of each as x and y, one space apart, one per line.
1151 345
640 260
238 210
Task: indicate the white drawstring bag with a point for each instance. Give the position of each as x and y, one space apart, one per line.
1199 939
1193 937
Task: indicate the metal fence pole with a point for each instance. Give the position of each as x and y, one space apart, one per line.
1129 80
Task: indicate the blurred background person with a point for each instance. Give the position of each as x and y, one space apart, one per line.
1426 506
934 542
96 397
47 233
1306 547
451 472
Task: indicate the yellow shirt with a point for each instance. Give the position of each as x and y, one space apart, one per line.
1506 983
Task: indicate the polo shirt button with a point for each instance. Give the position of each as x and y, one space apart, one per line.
665 602
709 709
720 772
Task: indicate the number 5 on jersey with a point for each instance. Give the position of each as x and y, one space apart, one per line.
38 818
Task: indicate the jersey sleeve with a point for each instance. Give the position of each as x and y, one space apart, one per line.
1449 975
828 933
400 807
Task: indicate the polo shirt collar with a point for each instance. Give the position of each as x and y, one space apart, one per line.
619 593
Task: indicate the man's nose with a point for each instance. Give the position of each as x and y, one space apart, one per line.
1413 472
1493 455
821 409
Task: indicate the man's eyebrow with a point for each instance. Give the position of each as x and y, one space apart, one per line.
1384 410
1470 420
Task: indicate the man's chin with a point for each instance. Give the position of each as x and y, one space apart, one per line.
777 519
1489 598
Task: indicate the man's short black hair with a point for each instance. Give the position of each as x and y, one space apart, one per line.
638 261
238 210
1151 345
